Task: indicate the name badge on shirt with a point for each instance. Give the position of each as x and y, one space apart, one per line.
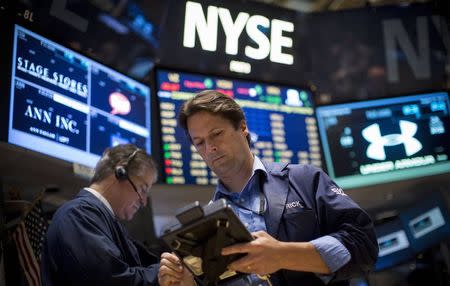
295 204
295 207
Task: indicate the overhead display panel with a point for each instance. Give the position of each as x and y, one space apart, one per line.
378 141
280 119
70 107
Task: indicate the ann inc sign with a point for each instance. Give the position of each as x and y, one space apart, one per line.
270 37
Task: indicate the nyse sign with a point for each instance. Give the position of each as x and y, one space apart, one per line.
206 26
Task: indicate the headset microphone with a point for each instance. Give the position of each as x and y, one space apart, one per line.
136 190
121 173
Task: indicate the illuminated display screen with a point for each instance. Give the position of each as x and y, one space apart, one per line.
417 228
386 140
427 223
280 120
70 107
394 245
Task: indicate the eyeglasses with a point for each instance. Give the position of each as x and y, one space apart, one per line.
137 191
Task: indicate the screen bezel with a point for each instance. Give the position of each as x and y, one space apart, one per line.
7 32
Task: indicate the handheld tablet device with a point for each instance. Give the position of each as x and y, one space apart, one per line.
200 235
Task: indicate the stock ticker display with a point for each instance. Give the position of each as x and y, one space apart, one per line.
70 107
280 120
386 140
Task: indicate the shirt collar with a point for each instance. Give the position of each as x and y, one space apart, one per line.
101 198
222 190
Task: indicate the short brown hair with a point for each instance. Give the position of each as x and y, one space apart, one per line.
214 102
136 159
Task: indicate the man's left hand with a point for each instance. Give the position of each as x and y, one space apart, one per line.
263 257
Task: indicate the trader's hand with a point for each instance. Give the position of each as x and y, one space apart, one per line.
263 254
173 273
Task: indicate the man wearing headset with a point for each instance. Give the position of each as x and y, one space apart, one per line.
86 244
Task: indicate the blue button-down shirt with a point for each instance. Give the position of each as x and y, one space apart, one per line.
250 203
332 251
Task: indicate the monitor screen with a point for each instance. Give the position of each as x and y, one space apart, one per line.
385 140
393 243
426 223
70 107
280 120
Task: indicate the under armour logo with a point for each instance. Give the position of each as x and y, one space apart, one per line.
376 150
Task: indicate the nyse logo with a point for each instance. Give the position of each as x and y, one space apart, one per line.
46 116
377 142
206 28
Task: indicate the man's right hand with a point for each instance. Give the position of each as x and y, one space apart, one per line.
172 272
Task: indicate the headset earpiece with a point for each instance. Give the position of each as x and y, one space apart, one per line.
121 173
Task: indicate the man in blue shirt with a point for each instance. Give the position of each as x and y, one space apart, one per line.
307 230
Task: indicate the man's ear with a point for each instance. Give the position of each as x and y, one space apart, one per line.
243 127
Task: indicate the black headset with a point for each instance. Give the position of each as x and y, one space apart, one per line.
121 170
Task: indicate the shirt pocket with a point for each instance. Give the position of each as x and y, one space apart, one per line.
288 212
300 224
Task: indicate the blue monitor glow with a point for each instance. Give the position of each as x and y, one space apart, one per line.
280 119
427 223
385 140
70 107
393 243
